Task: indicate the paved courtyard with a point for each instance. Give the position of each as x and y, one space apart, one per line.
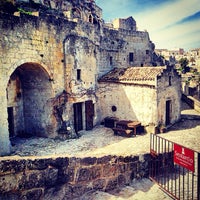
101 141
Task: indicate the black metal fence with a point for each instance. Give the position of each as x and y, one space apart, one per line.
175 168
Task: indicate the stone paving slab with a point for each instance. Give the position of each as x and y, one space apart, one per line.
139 189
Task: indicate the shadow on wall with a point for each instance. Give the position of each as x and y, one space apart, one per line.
126 102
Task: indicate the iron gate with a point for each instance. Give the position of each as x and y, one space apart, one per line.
176 169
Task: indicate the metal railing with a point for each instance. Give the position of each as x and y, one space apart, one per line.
175 168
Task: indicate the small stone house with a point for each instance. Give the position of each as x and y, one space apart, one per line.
150 95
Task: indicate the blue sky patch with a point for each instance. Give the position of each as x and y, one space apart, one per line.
190 18
170 23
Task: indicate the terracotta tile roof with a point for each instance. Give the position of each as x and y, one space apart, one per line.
133 75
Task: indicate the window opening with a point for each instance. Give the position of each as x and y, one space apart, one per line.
111 60
78 75
131 57
90 18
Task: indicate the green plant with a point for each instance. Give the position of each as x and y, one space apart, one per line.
21 10
184 65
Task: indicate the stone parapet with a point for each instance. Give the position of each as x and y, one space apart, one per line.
67 177
192 102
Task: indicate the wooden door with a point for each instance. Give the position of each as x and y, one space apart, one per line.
89 114
168 112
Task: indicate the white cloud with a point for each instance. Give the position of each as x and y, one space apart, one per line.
160 21
157 21
166 15
178 36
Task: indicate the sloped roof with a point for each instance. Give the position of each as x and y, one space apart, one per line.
133 75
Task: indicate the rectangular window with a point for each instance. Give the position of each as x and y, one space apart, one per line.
170 80
130 57
78 75
147 52
111 60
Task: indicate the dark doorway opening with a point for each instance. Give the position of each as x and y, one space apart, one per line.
78 118
168 112
131 57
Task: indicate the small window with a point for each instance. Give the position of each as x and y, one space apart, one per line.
170 80
111 60
78 75
147 52
131 57
90 18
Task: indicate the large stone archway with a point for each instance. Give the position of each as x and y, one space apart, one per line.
28 92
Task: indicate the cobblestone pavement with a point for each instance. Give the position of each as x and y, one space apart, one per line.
101 141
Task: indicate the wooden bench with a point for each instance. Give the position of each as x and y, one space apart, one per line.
126 127
122 132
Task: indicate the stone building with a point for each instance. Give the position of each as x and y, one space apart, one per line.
52 54
150 95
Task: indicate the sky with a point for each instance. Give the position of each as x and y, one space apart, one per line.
170 23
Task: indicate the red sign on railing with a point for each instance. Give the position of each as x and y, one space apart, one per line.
184 157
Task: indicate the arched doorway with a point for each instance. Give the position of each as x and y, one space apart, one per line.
28 92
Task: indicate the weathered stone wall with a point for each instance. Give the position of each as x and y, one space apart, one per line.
67 177
116 45
127 24
77 10
80 55
140 45
34 48
133 102
31 41
169 89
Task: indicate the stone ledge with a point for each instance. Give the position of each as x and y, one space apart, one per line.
36 177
